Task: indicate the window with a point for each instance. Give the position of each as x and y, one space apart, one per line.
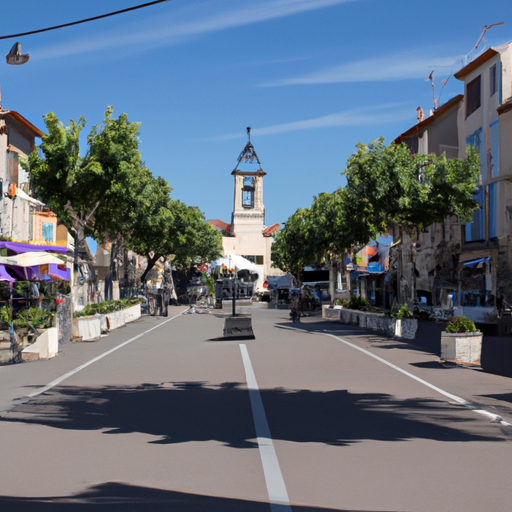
473 100
493 82
255 259
47 231
474 230
492 210
248 198
14 167
248 192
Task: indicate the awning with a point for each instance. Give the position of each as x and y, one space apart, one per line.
478 263
4 275
19 247
25 273
59 275
36 273
236 262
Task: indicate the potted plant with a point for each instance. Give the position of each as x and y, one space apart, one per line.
461 341
404 325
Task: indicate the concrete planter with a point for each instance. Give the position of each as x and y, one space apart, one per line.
91 328
400 328
132 313
87 328
46 346
112 321
405 328
464 347
331 313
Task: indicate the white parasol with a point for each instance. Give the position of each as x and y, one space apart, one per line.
234 261
31 259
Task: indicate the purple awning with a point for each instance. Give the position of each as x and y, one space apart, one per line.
60 275
34 273
18 247
4 275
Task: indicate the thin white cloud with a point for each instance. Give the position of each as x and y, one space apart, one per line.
177 26
402 66
372 115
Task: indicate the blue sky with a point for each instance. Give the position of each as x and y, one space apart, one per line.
311 77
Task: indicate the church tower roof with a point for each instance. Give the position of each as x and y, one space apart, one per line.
248 156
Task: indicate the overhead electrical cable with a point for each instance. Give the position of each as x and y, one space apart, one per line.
94 18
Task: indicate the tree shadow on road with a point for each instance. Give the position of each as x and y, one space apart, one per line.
118 497
197 411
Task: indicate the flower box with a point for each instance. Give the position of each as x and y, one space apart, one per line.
461 347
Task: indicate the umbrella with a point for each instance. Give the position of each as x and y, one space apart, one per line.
234 261
31 259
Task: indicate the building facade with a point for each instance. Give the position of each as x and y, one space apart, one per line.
22 217
469 265
485 260
424 265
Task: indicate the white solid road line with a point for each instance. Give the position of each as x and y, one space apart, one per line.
276 488
495 418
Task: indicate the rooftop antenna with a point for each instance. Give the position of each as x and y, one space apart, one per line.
486 28
249 133
436 101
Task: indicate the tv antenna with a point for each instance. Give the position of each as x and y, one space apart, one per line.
486 28
430 78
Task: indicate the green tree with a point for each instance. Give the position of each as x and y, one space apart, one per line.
291 250
147 227
196 241
110 195
95 194
316 236
388 185
163 227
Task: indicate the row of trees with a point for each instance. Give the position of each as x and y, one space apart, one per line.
108 193
386 186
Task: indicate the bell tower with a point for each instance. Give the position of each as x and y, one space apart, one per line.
248 210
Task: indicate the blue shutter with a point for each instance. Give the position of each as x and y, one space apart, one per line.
475 229
492 209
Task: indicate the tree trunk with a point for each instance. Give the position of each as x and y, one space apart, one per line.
333 276
151 263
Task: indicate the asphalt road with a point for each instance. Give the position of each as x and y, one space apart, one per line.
161 415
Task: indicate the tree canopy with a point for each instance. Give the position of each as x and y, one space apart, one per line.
93 195
390 185
110 195
386 185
